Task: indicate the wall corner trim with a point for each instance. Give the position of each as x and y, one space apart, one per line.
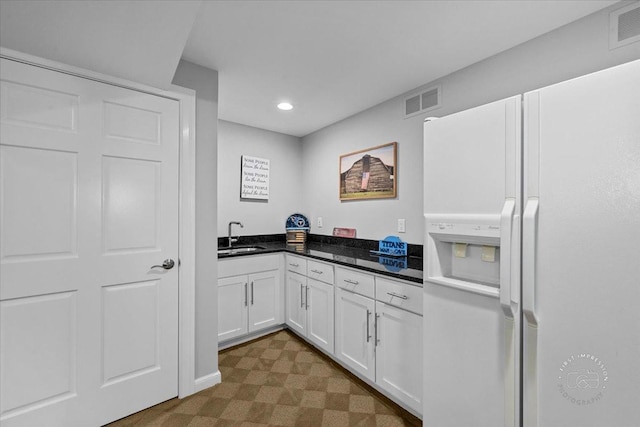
207 381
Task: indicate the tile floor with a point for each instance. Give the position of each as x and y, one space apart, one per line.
277 380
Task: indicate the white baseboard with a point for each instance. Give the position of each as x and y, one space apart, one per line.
207 381
250 337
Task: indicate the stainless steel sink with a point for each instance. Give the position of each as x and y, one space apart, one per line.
239 250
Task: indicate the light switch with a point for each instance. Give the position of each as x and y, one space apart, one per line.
489 253
319 222
460 250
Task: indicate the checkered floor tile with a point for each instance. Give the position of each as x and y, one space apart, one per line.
278 380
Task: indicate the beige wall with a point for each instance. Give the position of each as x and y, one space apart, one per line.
205 82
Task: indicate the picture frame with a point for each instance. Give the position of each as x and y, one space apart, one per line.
370 173
254 178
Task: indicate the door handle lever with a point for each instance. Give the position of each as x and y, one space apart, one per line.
167 264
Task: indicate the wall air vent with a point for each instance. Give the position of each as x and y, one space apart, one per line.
422 102
412 105
624 26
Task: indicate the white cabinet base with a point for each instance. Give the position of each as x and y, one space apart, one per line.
232 307
399 354
320 314
354 338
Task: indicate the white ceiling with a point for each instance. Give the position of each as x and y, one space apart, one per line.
135 40
331 59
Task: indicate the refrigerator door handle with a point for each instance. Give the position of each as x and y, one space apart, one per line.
507 262
529 239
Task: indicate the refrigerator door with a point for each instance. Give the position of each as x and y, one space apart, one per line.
581 251
472 287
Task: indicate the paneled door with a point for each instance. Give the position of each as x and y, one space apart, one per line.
264 300
89 213
399 354
295 310
320 314
354 337
233 306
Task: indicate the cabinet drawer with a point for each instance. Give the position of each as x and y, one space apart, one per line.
354 281
320 271
399 294
296 264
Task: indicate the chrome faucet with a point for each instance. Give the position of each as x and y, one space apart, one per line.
231 239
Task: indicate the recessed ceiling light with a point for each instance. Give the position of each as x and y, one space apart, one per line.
285 106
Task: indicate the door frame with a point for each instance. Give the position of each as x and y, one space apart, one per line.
186 227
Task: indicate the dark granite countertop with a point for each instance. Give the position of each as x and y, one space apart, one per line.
348 252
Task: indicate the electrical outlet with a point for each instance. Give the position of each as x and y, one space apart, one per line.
319 222
402 225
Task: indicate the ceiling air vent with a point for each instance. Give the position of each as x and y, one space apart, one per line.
422 102
624 26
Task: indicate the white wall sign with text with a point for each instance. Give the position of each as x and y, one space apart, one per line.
254 183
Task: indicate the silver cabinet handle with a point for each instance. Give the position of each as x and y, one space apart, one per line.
368 333
375 329
393 294
353 282
316 271
167 264
294 265
306 297
245 294
251 293
301 297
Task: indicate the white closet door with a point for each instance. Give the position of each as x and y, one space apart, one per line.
89 190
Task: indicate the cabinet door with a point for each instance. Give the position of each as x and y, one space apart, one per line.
296 312
232 307
320 314
399 354
264 300
354 332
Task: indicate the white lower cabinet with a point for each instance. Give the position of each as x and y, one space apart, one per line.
399 354
263 300
248 302
378 322
232 307
354 332
309 307
296 311
320 314
379 340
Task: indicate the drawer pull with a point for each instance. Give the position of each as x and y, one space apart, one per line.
393 294
353 282
294 265
316 271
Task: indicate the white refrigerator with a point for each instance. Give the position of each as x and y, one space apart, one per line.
532 267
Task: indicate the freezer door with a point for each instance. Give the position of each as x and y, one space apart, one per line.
472 275
581 251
